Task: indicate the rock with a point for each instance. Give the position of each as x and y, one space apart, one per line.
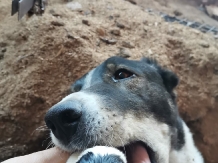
54 13
4 50
216 36
150 52
177 13
145 22
128 45
115 32
216 72
212 11
69 74
85 37
100 31
116 15
110 17
70 36
204 44
108 41
57 23
86 22
124 52
3 44
109 7
120 25
132 1
145 29
1 55
74 6
171 31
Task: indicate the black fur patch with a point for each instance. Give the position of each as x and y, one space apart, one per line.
180 135
170 79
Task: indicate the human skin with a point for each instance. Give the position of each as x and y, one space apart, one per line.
53 155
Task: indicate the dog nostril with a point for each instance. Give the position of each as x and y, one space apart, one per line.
51 126
70 116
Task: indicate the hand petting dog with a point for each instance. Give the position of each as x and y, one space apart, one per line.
53 155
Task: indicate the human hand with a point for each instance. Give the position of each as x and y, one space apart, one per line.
52 155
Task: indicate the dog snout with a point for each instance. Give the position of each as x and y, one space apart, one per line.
63 119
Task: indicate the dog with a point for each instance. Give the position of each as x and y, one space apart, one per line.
123 111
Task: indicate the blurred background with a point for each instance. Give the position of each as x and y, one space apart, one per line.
40 56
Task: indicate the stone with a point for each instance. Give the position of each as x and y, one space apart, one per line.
108 41
86 22
1 55
128 44
145 29
132 1
177 13
120 25
204 44
74 6
100 31
115 32
54 13
57 23
4 50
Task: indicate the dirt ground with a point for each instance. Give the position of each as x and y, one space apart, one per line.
41 56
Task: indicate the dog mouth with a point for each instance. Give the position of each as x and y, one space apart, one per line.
135 152
138 152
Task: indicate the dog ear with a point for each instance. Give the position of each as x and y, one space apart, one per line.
77 85
170 79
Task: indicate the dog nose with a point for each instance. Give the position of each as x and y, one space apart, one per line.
63 119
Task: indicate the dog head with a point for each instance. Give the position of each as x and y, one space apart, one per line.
121 103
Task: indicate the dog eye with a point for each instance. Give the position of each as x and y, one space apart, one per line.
122 74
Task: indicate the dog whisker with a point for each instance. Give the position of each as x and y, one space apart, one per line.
46 140
89 141
49 144
111 137
96 140
72 141
40 128
122 144
100 137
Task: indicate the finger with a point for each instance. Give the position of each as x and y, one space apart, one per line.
53 155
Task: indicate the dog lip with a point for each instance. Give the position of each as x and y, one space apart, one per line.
138 152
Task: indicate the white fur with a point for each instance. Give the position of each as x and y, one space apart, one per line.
153 133
189 153
88 79
57 143
98 150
